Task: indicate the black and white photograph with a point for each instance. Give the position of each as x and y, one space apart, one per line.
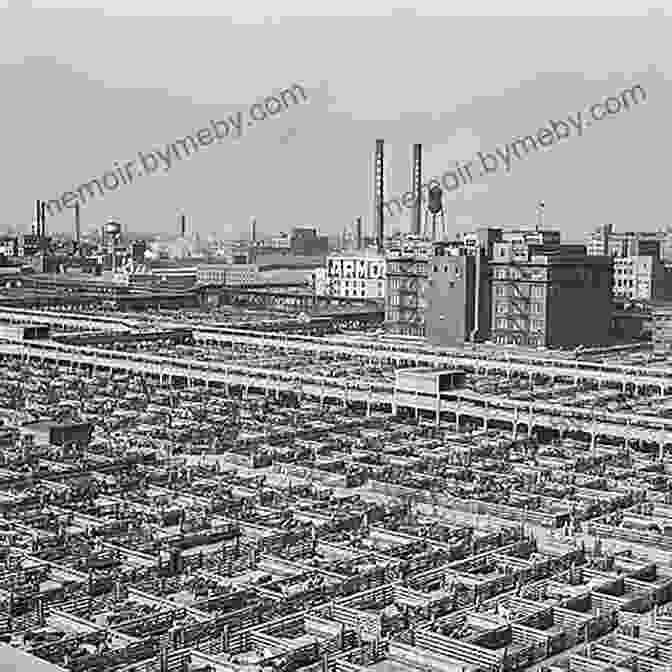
335 336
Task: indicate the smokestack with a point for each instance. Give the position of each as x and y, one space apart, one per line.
253 230
78 228
416 222
183 226
358 233
379 182
43 226
38 216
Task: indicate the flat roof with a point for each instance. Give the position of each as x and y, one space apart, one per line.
12 659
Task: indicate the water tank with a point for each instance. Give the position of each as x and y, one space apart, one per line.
435 195
113 228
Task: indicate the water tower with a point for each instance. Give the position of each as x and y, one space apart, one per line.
435 210
113 233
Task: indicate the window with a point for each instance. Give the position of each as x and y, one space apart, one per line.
501 323
501 307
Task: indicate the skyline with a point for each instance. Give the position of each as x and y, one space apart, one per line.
314 167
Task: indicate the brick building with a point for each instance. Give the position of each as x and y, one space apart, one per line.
550 295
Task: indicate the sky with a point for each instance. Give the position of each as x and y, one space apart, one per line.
88 84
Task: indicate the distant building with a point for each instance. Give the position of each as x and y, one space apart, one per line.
163 279
642 278
358 275
604 241
457 296
29 244
235 275
661 332
138 249
550 295
320 282
639 270
306 242
9 246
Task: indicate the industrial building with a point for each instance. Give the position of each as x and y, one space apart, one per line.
360 274
641 278
661 326
408 275
605 241
458 296
550 295
235 275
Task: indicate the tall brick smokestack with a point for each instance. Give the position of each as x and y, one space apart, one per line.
379 196
38 217
78 226
416 222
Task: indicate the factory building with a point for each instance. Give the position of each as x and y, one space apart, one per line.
661 326
639 272
549 295
407 284
642 278
604 241
457 296
306 242
359 275
234 275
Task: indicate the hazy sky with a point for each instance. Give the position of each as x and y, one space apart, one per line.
85 86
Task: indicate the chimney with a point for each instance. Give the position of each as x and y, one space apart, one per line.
183 226
252 255
78 229
43 226
416 222
38 217
358 233
379 196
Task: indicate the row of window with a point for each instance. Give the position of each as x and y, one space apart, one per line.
507 307
519 339
535 325
536 291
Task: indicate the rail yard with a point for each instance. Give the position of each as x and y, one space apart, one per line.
184 491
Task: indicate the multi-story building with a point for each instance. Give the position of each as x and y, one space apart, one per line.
307 242
458 295
9 246
550 295
320 282
661 332
604 241
360 274
640 278
235 275
639 272
408 268
138 249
